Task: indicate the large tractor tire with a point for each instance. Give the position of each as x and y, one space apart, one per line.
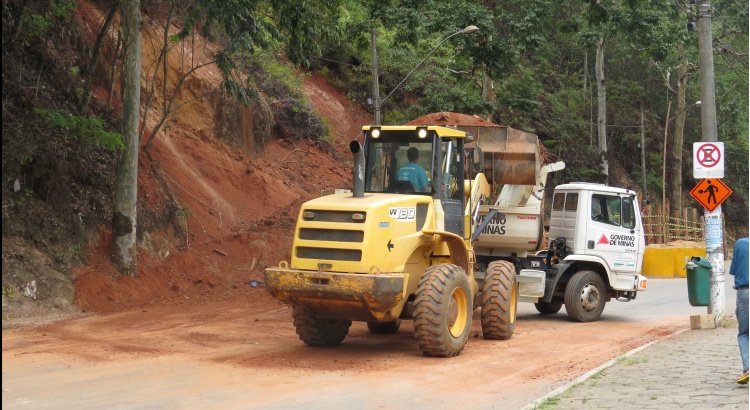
386 328
499 301
442 311
548 308
319 332
585 296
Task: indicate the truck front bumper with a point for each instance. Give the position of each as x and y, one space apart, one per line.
348 296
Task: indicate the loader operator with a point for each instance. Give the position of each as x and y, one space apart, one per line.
414 172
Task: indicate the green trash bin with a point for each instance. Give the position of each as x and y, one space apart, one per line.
699 281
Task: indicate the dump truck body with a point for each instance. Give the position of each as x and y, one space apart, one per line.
512 229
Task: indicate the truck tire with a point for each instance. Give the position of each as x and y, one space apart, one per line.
386 328
442 311
499 301
319 332
548 308
585 296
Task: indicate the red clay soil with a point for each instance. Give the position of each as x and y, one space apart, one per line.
195 314
240 210
452 118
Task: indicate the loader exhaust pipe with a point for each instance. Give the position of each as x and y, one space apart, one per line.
358 180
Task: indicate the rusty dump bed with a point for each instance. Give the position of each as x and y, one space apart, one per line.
510 156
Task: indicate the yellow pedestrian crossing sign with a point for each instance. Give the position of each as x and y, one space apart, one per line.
710 193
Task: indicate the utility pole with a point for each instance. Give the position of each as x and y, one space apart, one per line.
375 85
715 235
643 158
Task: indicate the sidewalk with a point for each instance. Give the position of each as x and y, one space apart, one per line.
692 369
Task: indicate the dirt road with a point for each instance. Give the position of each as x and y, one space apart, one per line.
247 355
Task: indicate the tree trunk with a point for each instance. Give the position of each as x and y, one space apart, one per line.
601 97
89 72
675 196
124 251
488 91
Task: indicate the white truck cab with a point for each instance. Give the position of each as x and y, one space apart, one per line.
596 251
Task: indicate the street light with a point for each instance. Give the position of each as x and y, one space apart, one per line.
378 103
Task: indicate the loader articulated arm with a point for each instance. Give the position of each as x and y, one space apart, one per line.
476 191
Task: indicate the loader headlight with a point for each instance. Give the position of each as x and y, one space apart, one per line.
422 133
308 215
358 217
375 133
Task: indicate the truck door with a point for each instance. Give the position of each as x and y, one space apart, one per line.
614 235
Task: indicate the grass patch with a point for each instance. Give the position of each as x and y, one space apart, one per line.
548 404
629 361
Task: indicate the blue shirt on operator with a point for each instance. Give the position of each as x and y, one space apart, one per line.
413 172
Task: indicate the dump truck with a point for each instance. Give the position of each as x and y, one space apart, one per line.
390 251
466 234
595 240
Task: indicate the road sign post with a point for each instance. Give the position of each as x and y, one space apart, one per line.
711 193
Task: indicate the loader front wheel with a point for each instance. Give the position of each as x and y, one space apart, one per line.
319 332
386 328
442 311
499 301
585 296
548 308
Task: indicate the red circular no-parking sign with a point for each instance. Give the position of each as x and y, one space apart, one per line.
708 155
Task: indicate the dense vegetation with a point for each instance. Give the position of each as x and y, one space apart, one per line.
532 65
540 55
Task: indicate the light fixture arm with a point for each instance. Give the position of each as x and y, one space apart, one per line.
468 29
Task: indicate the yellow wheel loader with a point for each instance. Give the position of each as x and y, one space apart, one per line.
399 246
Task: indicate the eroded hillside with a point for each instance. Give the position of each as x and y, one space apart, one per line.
215 206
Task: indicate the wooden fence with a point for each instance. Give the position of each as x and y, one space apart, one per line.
681 225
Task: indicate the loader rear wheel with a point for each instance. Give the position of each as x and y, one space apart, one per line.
386 328
442 311
585 296
548 308
499 301
319 332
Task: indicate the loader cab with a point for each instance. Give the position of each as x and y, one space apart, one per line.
389 151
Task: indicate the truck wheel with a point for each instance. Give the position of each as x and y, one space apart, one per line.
585 296
442 311
319 332
386 328
499 301
548 308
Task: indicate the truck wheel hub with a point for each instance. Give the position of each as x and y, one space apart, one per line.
589 297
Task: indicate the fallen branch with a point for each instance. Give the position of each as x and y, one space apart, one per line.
220 252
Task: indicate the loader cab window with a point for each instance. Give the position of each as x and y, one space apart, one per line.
451 190
613 210
397 162
453 169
